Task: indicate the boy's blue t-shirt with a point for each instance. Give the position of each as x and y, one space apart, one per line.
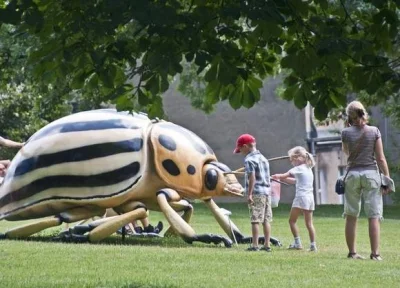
257 163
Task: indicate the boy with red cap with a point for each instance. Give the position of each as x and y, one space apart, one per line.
257 186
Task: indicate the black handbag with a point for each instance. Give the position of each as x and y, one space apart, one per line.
341 181
339 187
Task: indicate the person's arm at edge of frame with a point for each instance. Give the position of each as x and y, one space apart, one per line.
10 143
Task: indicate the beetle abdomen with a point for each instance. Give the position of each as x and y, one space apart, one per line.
84 157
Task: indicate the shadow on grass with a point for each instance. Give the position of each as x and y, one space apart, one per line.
140 285
114 240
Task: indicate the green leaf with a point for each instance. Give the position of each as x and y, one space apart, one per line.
254 84
226 73
211 74
143 98
248 98
156 107
323 4
213 91
78 81
339 99
321 111
153 84
289 92
301 7
106 76
357 78
235 99
92 81
299 99
119 77
123 103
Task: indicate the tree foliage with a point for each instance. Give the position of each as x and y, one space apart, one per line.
127 51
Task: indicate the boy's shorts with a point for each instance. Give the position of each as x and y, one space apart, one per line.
364 184
260 210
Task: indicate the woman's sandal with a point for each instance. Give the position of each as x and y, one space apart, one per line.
375 257
355 256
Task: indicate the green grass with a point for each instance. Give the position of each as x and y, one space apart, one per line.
38 262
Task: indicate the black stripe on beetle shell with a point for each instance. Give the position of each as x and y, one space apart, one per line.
189 135
170 166
72 181
78 154
2 216
167 142
84 126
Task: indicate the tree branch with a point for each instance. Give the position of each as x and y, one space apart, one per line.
347 14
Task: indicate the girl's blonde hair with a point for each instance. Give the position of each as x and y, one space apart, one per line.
300 152
355 111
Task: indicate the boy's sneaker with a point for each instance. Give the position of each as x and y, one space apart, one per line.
252 248
295 246
313 249
266 249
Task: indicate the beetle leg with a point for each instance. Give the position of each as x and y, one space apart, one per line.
68 217
181 227
182 205
110 225
230 228
32 228
223 220
81 229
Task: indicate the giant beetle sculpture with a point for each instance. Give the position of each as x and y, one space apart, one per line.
80 165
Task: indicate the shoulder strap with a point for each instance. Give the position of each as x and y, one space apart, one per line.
357 150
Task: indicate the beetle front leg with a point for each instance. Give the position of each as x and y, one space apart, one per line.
223 220
230 228
181 227
182 205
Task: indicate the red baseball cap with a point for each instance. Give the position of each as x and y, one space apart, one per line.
242 140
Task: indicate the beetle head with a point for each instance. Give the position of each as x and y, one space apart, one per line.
219 180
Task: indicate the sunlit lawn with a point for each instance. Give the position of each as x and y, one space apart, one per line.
173 263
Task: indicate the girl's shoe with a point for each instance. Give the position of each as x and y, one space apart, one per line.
295 246
313 248
355 256
375 257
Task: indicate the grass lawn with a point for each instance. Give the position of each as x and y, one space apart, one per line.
170 262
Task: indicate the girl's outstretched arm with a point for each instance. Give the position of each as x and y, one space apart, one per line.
285 177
